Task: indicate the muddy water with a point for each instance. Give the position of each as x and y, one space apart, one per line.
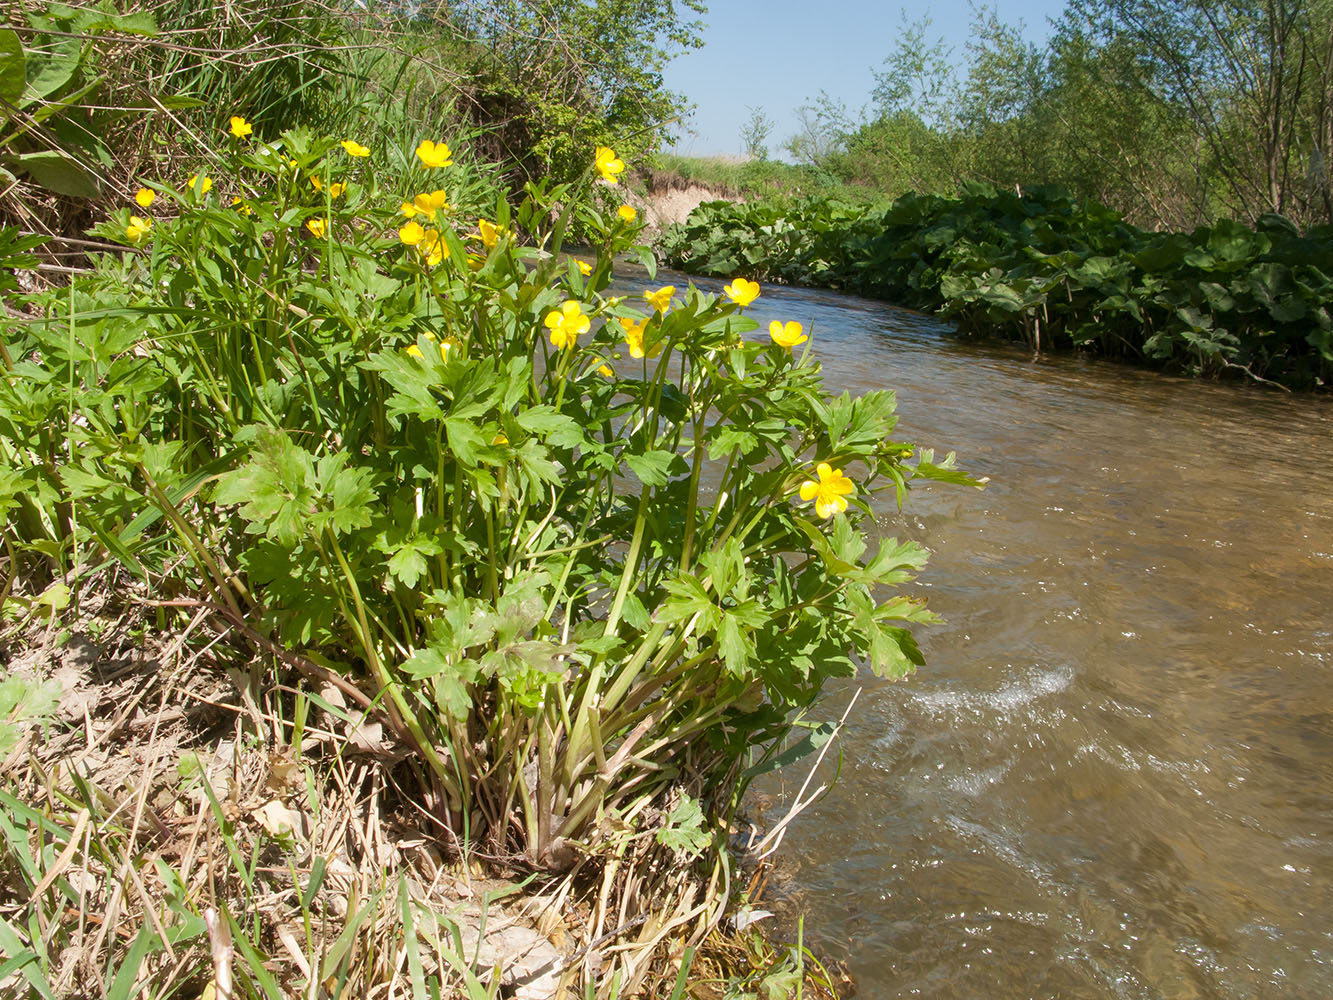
1114 779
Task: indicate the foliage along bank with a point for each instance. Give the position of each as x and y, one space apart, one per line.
1048 270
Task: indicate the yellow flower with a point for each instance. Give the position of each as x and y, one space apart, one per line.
411 234
240 127
566 323
500 439
475 261
429 204
445 347
627 213
316 183
830 493
354 148
137 229
408 209
433 248
742 292
201 185
585 268
433 154
606 370
787 334
661 299
240 206
144 197
337 190
491 234
317 227
634 336
608 165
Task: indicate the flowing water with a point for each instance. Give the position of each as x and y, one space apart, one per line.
1114 777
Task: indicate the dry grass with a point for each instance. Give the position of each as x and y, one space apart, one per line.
182 774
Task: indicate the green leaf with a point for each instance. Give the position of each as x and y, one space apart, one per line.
685 828
24 961
944 472
815 738
90 21
465 440
408 563
58 172
893 653
275 488
449 680
179 102
13 72
686 597
554 428
51 68
735 640
654 468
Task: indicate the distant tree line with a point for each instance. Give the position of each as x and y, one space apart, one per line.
1175 112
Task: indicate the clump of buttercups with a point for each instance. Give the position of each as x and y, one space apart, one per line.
585 554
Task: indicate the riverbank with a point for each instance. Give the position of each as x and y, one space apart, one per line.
1053 273
174 781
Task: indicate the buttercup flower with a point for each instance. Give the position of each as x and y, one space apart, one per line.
661 299
634 336
354 148
787 334
741 292
411 233
433 154
606 370
240 206
240 127
445 347
627 213
490 233
144 197
317 227
608 165
337 190
475 261
830 493
429 204
433 248
566 323
201 185
316 183
500 439
585 268
137 229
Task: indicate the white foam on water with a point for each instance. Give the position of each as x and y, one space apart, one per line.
1006 700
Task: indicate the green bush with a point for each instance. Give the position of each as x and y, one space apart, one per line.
562 540
1053 272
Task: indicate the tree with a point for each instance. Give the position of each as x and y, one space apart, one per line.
563 76
823 126
1253 79
755 133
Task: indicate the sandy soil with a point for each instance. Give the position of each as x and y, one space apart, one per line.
662 208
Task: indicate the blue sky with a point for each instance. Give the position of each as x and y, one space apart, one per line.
778 54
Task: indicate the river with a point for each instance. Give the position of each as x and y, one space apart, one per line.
1114 777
